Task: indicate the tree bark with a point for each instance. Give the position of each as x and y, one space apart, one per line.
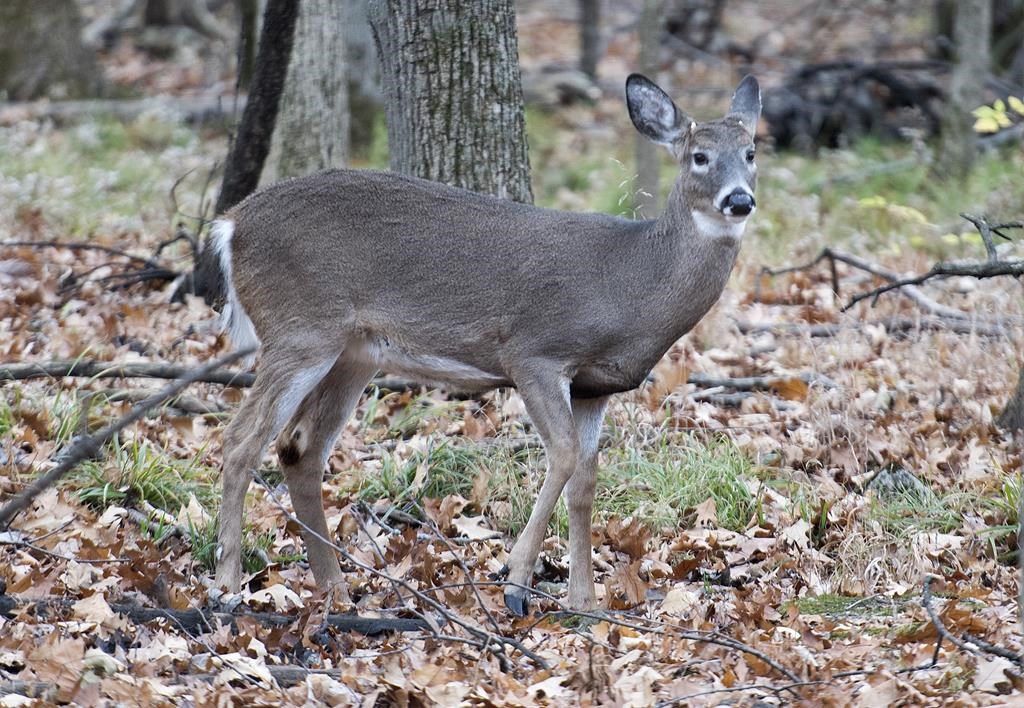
590 36
312 131
453 93
1012 416
971 30
646 198
42 53
249 21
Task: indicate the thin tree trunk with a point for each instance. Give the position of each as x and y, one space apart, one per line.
453 93
312 131
590 36
1012 415
249 13
364 93
252 143
646 198
971 32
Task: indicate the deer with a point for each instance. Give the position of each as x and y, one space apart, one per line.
344 273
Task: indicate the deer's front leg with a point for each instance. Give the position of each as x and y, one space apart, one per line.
588 414
547 402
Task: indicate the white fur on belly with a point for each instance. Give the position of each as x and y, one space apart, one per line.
426 367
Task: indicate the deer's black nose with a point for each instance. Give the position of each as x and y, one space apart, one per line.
739 202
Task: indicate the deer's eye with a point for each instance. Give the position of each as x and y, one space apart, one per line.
750 155
700 159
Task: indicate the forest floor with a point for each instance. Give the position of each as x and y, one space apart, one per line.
755 540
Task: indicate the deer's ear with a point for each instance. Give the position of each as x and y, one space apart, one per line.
746 104
653 112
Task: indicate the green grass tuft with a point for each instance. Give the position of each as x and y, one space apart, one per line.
203 540
452 468
139 471
664 483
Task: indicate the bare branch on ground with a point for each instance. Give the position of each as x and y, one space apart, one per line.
969 644
87 446
200 620
892 324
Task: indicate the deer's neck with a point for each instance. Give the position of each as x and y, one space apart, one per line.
699 253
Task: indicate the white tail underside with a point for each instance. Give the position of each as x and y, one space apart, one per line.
233 318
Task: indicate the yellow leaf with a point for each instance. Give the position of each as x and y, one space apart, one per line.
907 213
875 202
1016 104
986 125
1003 120
999 106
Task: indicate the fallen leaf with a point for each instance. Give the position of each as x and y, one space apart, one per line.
707 514
474 527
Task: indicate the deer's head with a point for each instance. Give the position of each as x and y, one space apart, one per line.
718 172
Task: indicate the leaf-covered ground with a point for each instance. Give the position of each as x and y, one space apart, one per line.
760 540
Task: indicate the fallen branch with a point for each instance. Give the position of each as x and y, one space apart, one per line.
184 403
88 446
82 246
970 644
892 324
30 689
759 383
833 256
981 271
197 620
285 675
91 369
85 368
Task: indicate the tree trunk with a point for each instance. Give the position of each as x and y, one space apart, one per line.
453 94
249 20
1012 416
971 29
41 51
312 131
364 93
646 199
590 36
252 142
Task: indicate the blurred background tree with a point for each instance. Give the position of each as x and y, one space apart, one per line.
42 53
312 130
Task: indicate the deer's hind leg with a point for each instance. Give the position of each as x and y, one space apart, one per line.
286 375
303 448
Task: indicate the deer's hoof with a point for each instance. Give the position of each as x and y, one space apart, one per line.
516 601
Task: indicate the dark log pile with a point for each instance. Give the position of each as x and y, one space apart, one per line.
834 104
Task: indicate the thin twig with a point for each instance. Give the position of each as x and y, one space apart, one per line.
76 246
765 688
482 639
89 368
970 644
